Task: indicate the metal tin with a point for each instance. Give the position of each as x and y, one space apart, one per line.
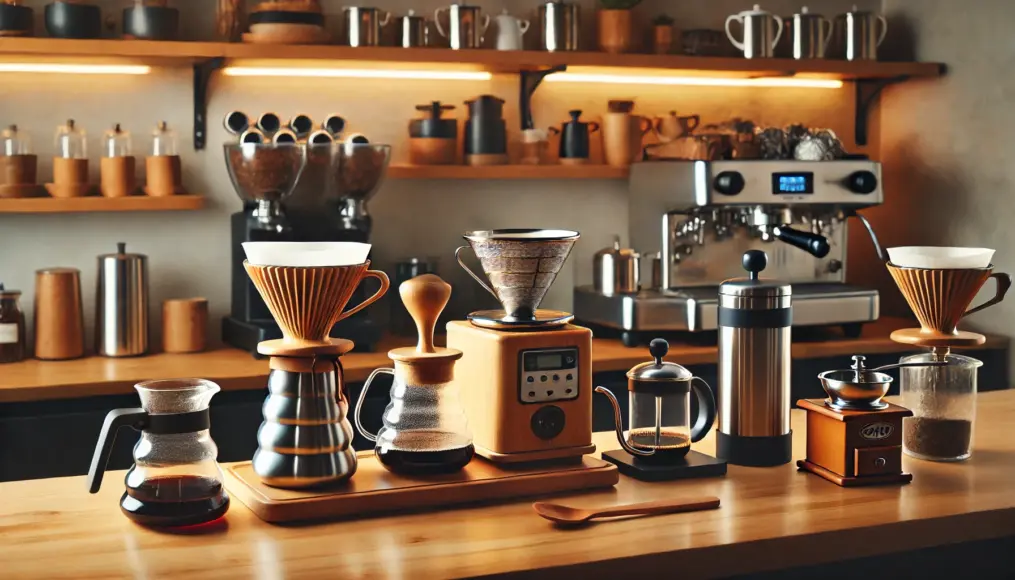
362 26
121 320
810 34
616 270
412 30
559 26
466 25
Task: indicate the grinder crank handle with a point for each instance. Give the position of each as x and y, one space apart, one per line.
814 244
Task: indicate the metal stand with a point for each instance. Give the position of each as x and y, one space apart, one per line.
530 80
202 77
867 93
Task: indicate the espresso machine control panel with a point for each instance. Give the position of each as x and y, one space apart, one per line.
548 375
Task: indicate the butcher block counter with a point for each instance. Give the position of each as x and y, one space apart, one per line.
235 370
770 518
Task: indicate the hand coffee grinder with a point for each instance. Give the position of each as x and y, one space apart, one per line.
525 376
263 175
306 438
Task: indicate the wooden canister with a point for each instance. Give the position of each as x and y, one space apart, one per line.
433 151
117 176
70 177
59 326
184 325
163 174
18 169
622 137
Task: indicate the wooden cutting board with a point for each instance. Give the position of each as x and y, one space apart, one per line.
374 490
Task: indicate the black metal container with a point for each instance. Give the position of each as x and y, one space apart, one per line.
66 20
151 22
16 20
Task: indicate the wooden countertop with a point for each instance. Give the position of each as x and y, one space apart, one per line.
770 519
233 369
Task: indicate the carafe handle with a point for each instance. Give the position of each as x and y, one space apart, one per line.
136 419
386 20
362 396
828 35
619 423
778 34
523 26
706 409
689 123
1003 284
884 29
486 25
729 33
380 292
437 20
458 256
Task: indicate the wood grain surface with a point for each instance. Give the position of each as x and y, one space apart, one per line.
96 203
770 518
236 370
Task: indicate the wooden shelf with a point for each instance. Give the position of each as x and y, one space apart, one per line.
183 53
98 204
507 172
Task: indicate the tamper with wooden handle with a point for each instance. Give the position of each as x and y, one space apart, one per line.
425 298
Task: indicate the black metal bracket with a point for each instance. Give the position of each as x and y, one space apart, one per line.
202 78
867 93
530 80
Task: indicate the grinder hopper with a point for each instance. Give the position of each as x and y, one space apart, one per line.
939 283
520 265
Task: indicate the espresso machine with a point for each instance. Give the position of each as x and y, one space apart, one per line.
318 194
700 217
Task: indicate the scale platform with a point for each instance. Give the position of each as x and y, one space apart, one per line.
696 309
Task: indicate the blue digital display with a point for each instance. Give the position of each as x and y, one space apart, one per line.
792 183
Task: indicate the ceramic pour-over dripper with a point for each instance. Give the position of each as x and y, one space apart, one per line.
939 290
307 301
520 265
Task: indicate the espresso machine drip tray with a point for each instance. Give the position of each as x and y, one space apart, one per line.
696 309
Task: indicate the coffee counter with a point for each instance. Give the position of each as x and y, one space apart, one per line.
770 518
235 370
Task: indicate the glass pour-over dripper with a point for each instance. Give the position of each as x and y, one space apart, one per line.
175 480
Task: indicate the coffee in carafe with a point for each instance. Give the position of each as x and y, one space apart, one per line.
424 430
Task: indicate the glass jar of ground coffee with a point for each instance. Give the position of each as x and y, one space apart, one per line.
12 327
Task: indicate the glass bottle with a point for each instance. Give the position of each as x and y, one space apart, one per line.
163 141
12 327
175 479
943 402
14 142
116 142
71 142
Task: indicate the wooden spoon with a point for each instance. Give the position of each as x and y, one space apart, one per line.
563 514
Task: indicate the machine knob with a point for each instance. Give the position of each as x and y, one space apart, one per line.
834 266
548 422
729 182
862 182
880 462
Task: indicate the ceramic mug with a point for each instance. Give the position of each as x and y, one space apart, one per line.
622 137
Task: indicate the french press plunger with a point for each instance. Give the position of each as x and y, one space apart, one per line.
175 480
659 427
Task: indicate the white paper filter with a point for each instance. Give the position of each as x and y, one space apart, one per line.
306 254
940 257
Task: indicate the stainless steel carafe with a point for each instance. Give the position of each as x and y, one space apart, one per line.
754 368
810 34
121 314
559 23
762 31
362 26
412 30
859 36
466 25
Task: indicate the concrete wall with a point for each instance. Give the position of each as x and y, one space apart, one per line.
189 251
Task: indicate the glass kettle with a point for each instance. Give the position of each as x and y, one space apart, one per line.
659 425
175 480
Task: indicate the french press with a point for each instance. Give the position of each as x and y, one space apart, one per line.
659 418
175 480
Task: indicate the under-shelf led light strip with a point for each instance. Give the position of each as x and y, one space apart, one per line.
349 73
91 69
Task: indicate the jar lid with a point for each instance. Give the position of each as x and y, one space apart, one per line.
616 250
754 262
657 371
121 253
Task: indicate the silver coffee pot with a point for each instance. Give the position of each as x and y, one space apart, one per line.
810 34
362 26
466 25
859 33
762 31
559 25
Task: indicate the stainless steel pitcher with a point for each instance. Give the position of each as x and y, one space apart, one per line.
412 30
466 25
121 314
858 33
559 24
810 34
762 31
362 26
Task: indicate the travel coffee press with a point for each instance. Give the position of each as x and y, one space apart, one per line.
657 444
175 480
425 430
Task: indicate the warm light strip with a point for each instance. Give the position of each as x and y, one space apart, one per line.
694 81
78 69
424 75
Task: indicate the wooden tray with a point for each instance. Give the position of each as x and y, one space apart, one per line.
374 490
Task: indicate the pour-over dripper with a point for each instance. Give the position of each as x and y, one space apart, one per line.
306 302
520 265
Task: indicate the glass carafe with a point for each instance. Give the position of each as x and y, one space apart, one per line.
943 402
175 479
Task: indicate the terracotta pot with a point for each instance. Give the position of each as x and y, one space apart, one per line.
662 38
622 137
614 31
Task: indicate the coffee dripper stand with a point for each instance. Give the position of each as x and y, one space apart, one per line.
175 480
657 445
425 430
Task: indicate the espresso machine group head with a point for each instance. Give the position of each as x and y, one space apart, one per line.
700 217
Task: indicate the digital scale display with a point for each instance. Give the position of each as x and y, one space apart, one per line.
548 361
793 183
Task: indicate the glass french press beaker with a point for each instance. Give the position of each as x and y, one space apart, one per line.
175 480
659 422
424 430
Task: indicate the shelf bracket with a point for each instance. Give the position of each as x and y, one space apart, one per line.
530 80
867 93
202 78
